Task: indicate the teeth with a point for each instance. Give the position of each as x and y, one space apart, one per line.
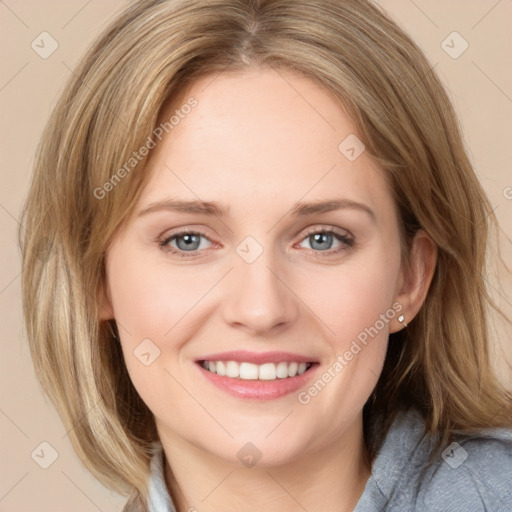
221 368
282 370
232 369
250 371
267 371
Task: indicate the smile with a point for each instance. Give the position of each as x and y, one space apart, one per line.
251 371
257 376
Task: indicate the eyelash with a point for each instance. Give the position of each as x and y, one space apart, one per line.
347 240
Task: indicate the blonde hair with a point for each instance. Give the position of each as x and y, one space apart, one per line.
440 364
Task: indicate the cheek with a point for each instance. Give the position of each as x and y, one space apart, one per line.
357 308
155 307
149 300
356 304
353 298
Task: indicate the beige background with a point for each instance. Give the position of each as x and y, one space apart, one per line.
479 82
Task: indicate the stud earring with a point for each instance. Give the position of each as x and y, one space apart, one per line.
401 319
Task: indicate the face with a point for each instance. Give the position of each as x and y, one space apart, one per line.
220 305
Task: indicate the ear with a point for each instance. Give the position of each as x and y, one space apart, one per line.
106 309
416 276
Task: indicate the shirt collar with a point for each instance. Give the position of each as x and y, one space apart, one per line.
159 499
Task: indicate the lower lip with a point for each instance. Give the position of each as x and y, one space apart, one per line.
259 389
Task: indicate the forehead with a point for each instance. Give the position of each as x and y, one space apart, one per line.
260 139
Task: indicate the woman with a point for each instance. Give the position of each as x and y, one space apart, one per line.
187 181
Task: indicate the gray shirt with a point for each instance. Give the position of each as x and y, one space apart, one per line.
471 475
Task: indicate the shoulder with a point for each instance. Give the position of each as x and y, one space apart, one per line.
471 475
474 474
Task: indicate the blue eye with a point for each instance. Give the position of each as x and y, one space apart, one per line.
188 243
322 240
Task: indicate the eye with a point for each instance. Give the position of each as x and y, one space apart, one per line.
321 240
186 241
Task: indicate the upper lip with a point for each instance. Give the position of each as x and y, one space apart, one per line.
257 357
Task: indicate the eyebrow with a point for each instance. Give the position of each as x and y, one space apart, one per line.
298 210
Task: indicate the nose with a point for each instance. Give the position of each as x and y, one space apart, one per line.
259 300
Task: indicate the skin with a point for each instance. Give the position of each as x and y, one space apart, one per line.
258 142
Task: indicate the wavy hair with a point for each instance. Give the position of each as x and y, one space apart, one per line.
439 365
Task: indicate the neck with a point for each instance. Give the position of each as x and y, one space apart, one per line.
330 478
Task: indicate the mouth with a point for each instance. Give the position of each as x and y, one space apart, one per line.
249 375
250 371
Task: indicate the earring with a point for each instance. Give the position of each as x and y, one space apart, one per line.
401 319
